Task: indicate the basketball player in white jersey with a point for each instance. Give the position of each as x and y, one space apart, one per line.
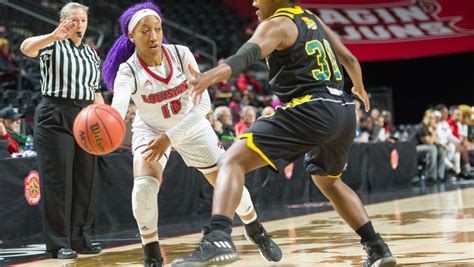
154 78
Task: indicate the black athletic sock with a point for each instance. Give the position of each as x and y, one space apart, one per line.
219 222
366 232
253 228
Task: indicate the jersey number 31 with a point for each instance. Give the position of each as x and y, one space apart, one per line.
322 52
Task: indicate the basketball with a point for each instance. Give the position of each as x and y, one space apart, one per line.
99 129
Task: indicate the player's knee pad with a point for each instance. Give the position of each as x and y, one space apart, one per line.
245 205
145 203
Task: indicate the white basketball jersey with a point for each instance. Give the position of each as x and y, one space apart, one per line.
161 93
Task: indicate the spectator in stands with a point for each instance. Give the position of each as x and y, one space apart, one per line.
8 64
223 114
12 120
222 98
6 115
247 82
374 113
276 102
455 122
465 126
387 125
378 131
268 111
430 148
365 128
447 139
247 118
235 101
216 125
250 99
67 172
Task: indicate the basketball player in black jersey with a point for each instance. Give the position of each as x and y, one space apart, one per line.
318 121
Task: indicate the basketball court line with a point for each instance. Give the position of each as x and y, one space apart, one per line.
435 229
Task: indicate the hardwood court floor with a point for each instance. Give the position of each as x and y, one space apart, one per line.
428 230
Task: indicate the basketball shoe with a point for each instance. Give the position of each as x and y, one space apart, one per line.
152 255
215 248
378 253
257 235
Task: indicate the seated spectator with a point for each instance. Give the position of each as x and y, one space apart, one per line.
388 127
276 102
235 101
464 133
364 128
447 139
374 113
378 132
455 122
250 99
429 148
13 123
247 82
222 98
267 111
5 118
7 58
216 125
8 65
223 114
247 118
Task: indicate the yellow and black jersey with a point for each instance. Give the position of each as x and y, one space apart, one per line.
309 64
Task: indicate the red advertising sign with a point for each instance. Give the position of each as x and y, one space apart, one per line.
397 29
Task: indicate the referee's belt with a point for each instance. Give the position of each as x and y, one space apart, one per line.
67 101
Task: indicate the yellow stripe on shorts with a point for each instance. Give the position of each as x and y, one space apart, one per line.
252 146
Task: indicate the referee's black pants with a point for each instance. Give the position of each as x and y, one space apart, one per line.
67 175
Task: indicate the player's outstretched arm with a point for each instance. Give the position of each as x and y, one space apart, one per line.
350 63
277 33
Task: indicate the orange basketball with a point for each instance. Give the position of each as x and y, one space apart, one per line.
99 129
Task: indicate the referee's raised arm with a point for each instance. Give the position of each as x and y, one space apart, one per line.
31 46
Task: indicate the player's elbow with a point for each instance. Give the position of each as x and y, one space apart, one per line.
24 48
348 60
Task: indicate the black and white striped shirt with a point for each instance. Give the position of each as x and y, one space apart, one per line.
68 71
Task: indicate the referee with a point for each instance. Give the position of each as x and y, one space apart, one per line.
69 82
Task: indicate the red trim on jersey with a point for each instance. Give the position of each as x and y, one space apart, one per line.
163 80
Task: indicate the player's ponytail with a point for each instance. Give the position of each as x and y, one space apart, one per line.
118 54
123 48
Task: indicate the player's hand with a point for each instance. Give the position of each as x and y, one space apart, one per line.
362 94
198 84
63 31
157 147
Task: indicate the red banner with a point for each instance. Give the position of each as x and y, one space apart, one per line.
396 29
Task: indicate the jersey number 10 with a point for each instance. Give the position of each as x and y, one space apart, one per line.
322 52
175 108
